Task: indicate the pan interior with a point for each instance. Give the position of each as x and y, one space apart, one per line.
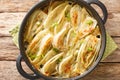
41 35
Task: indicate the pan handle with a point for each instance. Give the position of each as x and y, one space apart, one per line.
22 72
102 6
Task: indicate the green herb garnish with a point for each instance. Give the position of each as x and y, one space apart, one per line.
31 56
67 15
56 50
42 55
59 60
89 22
55 24
73 34
90 49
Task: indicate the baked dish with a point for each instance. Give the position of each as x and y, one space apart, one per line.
62 40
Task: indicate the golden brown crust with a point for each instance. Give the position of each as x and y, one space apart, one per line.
65 42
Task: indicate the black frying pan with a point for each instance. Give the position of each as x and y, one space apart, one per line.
42 4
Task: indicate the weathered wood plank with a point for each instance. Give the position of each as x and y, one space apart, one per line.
104 71
9 20
16 5
8 71
112 5
8 51
113 23
25 5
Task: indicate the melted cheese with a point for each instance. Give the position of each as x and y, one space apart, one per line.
63 41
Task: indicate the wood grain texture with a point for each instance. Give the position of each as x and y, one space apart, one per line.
8 51
104 71
12 12
9 21
25 5
16 5
8 71
113 24
113 6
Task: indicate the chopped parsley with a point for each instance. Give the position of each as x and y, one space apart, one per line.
31 56
89 22
54 24
67 15
90 49
73 34
42 55
59 60
56 50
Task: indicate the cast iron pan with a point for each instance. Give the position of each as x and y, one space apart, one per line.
42 4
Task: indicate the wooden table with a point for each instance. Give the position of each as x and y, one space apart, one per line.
13 11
